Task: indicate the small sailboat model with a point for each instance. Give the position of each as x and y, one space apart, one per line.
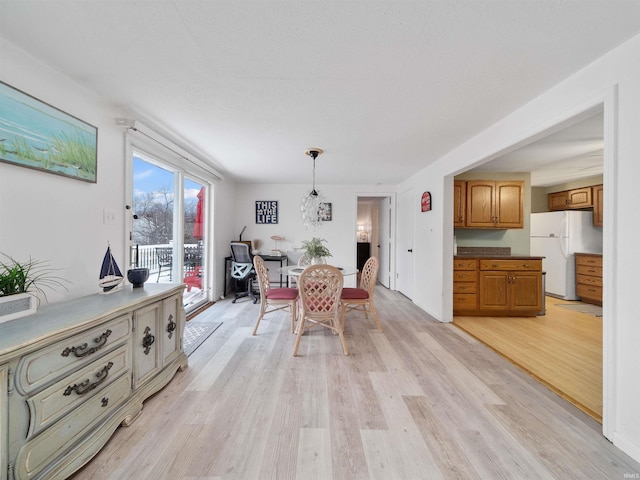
110 274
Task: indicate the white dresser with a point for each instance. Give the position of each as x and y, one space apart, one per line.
75 371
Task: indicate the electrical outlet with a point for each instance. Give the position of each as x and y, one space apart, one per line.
109 217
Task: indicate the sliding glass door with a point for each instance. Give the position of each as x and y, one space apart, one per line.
194 239
169 230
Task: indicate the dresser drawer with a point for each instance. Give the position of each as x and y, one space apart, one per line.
56 401
465 287
511 265
70 430
465 276
39 369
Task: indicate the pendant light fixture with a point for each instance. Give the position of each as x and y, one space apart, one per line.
313 203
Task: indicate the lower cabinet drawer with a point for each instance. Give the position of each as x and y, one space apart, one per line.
512 265
465 275
56 401
587 280
589 291
465 301
589 260
589 270
71 430
459 287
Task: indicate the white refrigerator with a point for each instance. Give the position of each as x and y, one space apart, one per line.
557 236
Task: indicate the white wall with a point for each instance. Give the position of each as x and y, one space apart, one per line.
340 232
57 219
614 79
223 230
60 220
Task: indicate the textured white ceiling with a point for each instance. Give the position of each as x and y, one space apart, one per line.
573 151
383 87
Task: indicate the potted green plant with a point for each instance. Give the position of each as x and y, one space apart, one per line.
314 249
19 283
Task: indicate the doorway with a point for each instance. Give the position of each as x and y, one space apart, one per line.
374 234
169 229
404 270
558 159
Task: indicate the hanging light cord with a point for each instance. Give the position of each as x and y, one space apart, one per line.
313 191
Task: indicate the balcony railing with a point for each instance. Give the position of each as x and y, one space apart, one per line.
150 256
159 260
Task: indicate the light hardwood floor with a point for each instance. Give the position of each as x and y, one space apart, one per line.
562 349
422 400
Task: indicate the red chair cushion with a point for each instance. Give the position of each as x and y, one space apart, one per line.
282 294
354 294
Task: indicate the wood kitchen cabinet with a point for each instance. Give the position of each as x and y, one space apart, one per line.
459 203
598 206
510 285
571 199
495 204
558 201
497 286
589 277
465 285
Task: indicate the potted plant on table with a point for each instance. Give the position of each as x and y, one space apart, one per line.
19 283
315 250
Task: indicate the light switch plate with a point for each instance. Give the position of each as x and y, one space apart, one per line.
109 217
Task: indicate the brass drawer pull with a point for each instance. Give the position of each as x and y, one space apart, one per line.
83 350
87 386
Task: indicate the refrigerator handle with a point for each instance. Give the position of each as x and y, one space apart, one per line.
564 240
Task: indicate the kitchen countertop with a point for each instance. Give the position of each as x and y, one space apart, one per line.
491 252
505 257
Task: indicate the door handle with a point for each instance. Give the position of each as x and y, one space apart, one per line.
410 250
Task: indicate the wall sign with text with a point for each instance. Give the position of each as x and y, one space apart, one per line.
267 211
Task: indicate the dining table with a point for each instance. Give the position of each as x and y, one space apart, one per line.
295 271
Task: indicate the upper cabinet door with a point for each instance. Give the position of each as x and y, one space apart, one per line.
495 204
598 206
571 199
580 198
509 204
481 204
459 203
558 201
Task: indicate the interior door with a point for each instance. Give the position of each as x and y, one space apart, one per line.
404 266
383 243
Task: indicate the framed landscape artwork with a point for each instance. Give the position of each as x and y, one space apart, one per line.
39 136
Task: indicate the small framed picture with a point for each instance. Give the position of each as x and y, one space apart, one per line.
266 211
325 213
